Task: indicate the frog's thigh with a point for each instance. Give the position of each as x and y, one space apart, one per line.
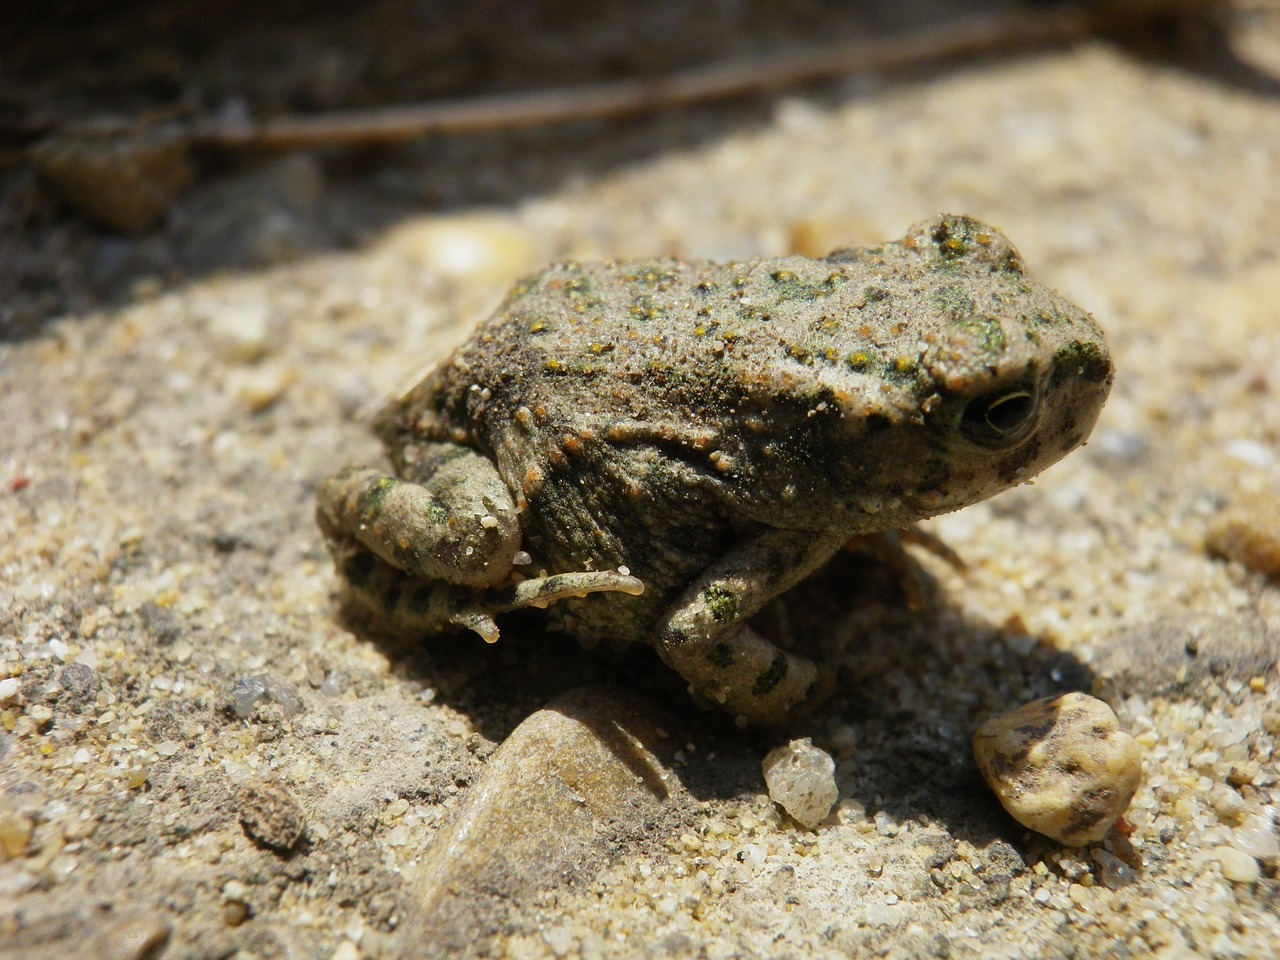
456 523
707 640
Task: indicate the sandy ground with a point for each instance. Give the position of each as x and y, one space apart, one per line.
199 760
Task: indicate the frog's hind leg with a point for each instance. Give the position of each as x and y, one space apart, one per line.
455 521
386 597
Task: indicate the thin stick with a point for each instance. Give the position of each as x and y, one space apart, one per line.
392 125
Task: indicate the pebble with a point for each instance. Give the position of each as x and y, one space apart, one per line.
1257 837
130 938
576 778
9 688
125 181
802 780
1113 872
1250 534
248 692
1237 867
476 246
271 815
1060 766
242 329
15 834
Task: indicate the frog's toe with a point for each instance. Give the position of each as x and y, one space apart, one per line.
543 591
478 621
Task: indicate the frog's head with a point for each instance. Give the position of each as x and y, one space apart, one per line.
976 378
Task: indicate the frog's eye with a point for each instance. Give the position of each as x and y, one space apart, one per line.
999 417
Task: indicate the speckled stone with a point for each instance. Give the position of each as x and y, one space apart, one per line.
1061 766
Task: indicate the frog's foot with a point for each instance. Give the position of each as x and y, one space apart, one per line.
747 675
379 593
889 549
541 592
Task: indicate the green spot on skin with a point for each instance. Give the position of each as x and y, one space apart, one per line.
875 294
986 330
369 505
953 301
859 361
951 236
721 603
797 352
769 680
1081 358
791 287
721 655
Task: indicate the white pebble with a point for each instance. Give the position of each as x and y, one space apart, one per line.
559 939
802 780
9 688
1257 837
1115 873
1236 866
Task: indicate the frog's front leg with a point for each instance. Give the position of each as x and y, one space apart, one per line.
456 524
707 640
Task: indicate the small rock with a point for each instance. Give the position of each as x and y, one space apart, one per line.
588 772
15 834
1182 650
79 681
1238 867
162 623
1257 837
122 178
270 815
261 386
9 688
1113 872
819 236
1249 534
475 246
802 780
248 692
132 938
1060 766
241 329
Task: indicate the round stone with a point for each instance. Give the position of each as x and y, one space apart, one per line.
1061 766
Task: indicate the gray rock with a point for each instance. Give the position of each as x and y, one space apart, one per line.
587 773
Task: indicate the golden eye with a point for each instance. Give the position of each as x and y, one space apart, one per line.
1000 417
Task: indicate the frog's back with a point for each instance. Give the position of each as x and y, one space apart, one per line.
765 373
